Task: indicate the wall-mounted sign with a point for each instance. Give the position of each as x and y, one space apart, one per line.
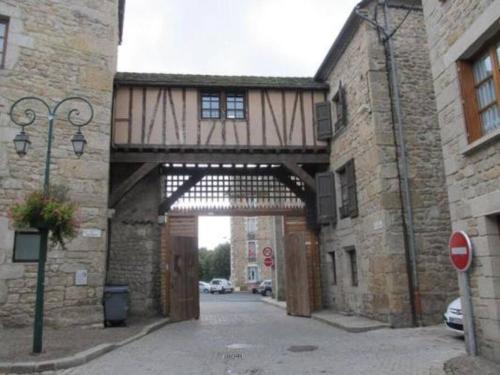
268 262
92 232
81 277
26 246
267 252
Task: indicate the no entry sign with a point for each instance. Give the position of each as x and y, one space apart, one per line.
460 251
268 262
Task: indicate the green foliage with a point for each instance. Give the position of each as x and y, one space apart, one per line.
215 263
53 211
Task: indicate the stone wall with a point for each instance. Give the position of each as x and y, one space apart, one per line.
472 170
78 57
134 257
377 233
265 236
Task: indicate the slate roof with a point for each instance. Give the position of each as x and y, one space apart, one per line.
198 80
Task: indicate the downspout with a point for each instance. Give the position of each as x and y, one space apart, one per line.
407 209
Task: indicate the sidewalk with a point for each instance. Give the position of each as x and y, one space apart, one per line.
350 323
67 347
467 365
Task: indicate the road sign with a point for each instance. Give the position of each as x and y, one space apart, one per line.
460 251
268 252
268 262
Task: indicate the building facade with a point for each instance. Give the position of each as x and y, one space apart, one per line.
249 236
464 48
76 58
368 265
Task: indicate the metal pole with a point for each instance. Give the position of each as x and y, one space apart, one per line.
470 333
40 281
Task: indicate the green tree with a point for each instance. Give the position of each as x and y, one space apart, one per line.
215 263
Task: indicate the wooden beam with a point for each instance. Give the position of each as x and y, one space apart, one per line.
290 184
239 212
184 188
119 192
221 171
207 157
302 174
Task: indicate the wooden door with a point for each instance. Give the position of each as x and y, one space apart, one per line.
184 300
302 267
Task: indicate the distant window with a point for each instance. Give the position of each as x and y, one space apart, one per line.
353 262
4 26
251 225
334 267
235 105
480 81
253 273
252 250
210 105
348 190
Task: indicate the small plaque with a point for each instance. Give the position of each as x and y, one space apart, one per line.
92 232
26 246
81 277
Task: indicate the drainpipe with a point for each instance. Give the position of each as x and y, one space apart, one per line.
407 209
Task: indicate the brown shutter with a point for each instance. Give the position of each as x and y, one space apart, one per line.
324 121
325 198
469 101
352 190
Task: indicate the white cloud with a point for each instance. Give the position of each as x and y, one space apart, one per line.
242 37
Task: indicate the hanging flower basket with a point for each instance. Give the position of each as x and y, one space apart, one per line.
53 211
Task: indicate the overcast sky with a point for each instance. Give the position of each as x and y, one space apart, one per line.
229 37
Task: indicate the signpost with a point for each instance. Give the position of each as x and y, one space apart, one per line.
461 258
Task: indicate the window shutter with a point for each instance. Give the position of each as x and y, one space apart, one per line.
469 101
324 121
341 108
352 189
325 198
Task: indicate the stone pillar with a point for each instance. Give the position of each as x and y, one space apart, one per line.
134 256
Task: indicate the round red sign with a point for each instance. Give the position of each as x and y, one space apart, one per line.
268 262
460 251
268 252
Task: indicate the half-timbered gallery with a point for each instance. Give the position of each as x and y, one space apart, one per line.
349 160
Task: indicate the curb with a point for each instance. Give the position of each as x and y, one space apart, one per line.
78 358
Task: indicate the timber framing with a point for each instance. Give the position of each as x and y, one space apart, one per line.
119 192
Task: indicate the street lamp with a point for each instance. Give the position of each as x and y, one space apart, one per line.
21 144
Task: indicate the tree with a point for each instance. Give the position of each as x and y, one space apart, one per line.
215 263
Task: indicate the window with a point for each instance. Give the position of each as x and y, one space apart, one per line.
353 262
4 26
339 118
348 193
252 250
235 106
334 267
251 224
480 81
253 273
210 105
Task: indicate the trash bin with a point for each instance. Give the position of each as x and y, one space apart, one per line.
116 304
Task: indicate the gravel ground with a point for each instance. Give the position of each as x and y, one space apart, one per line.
238 336
16 343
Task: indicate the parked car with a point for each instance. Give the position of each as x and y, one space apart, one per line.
453 317
265 288
221 286
203 287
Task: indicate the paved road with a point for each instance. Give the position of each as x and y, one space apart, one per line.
238 334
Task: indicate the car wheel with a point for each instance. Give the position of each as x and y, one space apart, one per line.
267 293
205 290
222 291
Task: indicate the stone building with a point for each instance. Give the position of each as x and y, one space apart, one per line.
249 236
369 266
76 58
464 47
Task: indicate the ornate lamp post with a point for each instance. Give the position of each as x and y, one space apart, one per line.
22 143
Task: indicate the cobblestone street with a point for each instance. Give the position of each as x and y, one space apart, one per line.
238 334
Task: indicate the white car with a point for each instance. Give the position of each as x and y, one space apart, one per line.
453 317
221 286
203 287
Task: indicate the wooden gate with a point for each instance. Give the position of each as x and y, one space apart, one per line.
302 269
181 258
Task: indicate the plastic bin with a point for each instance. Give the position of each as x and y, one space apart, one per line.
116 304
